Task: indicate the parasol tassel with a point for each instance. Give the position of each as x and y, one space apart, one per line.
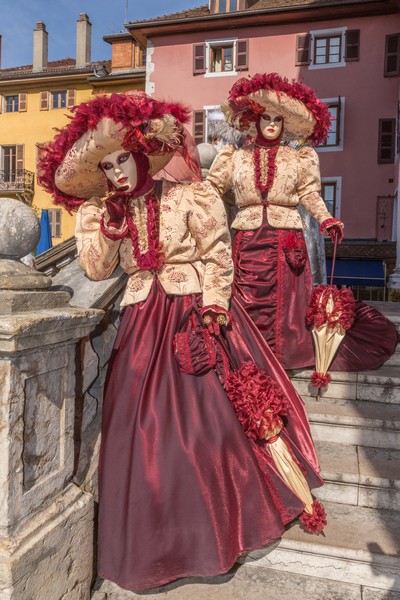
313 518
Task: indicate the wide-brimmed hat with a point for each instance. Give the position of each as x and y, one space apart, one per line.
305 116
69 166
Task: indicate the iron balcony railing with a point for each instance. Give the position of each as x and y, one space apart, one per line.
20 181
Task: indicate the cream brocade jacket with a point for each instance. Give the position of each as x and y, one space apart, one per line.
297 181
195 238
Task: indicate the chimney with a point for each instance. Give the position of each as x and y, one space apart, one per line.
83 40
40 47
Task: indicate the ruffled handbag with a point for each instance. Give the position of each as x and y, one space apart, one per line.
193 346
295 250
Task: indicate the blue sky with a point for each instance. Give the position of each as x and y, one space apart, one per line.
18 19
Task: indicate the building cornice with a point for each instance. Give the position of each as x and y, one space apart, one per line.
262 16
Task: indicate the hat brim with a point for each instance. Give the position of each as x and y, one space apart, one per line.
298 120
79 174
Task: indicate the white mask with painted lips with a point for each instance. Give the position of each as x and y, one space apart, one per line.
120 168
271 125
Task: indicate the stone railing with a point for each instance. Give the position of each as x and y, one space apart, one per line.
46 518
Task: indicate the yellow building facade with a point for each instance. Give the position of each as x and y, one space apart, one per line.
34 103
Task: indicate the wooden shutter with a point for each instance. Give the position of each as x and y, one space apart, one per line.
199 59
242 55
386 141
199 122
352 45
22 102
392 55
1 104
57 228
303 49
20 157
71 98
44 100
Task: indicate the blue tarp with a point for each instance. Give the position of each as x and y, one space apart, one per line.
357 272
45 241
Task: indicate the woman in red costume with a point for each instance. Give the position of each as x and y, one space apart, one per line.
269 179
190 477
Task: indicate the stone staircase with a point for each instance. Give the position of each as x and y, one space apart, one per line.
356 427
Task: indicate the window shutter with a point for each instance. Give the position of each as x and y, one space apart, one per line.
338 119
57 223
352 45
199 59
71 98
242 55
44 100
199 121
386 141
20 157
303 49
1 104
392 55
22 102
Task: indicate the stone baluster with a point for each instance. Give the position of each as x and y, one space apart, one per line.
46 520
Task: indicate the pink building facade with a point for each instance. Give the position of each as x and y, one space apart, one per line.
348 52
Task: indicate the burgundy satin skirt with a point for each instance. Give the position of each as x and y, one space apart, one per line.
182 490
276 297
273 294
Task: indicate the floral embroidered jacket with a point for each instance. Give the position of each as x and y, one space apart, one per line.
195 243
297 180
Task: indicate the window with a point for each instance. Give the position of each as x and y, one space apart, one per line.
55 216
334 140
330 192
225 6
392 55
328 48
58 99
11 103
205 122
220 57
12 163
386 141
209 125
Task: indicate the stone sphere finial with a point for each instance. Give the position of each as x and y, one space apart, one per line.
207 153
19 229
19 235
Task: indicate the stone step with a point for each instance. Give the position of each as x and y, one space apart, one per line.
360 546
355 422
394 360
247 583
356 559
382 385
359 475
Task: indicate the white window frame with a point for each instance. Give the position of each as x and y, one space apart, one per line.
207 109
339 147
327 33
338 182
220 42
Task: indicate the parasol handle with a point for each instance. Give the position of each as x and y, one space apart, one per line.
334 257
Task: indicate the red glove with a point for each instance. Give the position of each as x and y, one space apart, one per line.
334 229
116 211
214 318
